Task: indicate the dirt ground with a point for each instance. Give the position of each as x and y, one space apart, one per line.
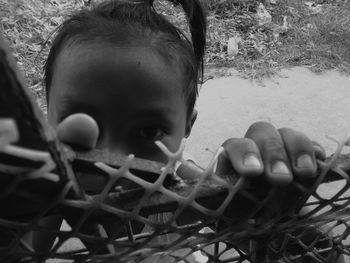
317 105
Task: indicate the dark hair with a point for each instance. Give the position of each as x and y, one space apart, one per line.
132 22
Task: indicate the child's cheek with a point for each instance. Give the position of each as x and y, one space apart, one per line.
52 116
172 143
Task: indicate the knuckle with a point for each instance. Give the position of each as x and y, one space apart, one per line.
258 126
229 141
261 124
273 145
229 144
293 135
241 144
284 130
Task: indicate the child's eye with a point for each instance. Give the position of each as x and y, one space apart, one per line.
151 133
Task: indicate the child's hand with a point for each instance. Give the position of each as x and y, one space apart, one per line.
270 159
280 156
79 131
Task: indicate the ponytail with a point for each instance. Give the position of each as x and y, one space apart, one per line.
198 26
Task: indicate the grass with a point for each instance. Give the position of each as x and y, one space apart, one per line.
27 24
320 41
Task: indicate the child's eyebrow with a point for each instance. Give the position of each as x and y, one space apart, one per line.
69 100
157 113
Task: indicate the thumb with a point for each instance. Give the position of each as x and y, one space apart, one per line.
79 130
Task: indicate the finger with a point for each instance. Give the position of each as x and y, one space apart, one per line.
243 155
301 153
273 154
79 131
320 152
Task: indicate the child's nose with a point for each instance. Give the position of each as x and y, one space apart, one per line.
112 141
79 131
112 146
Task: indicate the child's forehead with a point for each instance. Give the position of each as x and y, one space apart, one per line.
85 51
96 65
94 58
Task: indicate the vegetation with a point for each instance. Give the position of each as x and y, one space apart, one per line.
315 36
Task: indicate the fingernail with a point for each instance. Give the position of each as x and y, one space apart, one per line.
305 161
280 167
251 160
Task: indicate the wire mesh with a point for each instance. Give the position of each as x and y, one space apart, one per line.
142 221
132 210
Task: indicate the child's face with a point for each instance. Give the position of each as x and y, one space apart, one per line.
134 95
